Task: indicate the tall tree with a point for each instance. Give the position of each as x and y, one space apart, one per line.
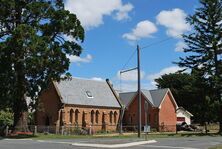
180 85
34 49
205 46
191 92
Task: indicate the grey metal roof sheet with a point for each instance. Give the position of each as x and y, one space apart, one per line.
158 95
74 92
126 97
148 96
155 97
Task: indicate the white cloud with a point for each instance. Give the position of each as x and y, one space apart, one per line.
167 70
97 79
126 86
71 39
180 46
131 86
142 30
77 59
130 75
174 21
129 81
123 12
91 12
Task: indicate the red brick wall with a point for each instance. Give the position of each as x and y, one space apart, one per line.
167 114
132 112
96 126
50 106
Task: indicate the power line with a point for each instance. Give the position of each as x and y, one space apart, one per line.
144 47
124 66
155 43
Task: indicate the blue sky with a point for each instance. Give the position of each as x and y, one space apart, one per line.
114 27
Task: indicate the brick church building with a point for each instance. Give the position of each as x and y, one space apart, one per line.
79 102
158 109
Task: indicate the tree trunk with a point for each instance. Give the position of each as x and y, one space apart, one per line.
220 118
21 122
20 107
219 98
220 130
20 116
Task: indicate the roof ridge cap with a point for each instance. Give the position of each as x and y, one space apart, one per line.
159 89
127 92
85 79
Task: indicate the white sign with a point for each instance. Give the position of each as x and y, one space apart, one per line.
146 128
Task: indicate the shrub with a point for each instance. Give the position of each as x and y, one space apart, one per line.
6 117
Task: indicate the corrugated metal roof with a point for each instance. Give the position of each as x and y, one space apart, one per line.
75 91
126 97
158 95
155 97
148 95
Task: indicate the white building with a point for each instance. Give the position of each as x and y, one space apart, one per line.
183 116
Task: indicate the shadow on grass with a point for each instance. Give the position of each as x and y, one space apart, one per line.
216 147
196 134
22 136
182 134
201 134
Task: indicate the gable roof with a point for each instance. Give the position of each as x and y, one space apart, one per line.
79 91
155 97
126 97
182 109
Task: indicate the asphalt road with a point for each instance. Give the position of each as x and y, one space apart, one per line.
163 143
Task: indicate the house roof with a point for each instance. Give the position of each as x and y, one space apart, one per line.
126 97
155 97
184 110
86 92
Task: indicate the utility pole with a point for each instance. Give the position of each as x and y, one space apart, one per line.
139 92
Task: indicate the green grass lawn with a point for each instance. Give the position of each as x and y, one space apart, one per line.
117 136
217 147
55 136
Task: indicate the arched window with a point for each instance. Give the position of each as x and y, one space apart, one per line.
71 113
115 117
111 117
97 116
83 119
47 121
62 115
130 119
76 116
103 118
103 122
155 118
92 116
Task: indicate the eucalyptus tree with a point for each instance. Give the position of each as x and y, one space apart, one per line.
33 50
